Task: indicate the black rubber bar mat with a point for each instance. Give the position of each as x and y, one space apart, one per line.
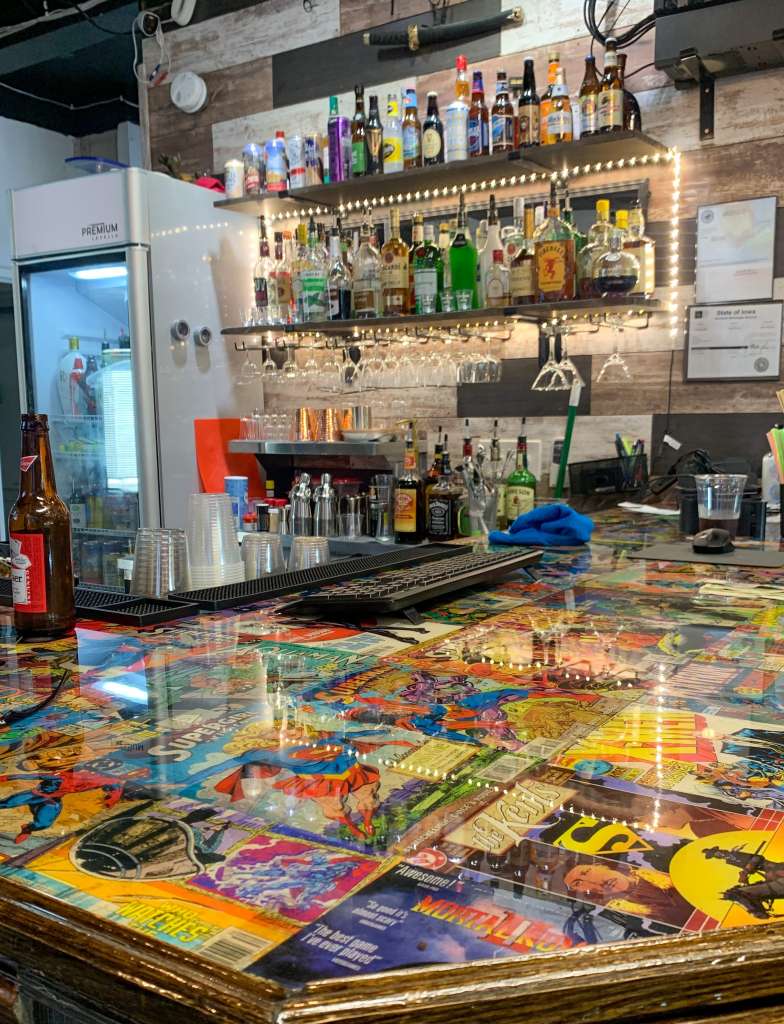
683 552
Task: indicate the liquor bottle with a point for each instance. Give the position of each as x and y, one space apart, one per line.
432 133
568 219
70 378
486 253
367 276
528 108
279 284
559 118
339 281
468 442
417 238
522 270
554 249
598 242
463 261
643 247
589 94
443 504
313 274
434 472
632 119
77 507
298 260
478 119
622 223
393 136
412 132
262 274
359 138
553 66
611 92
503 124
457 112
428 270
496 282
375 139
394 269
520 485
340 144
444 241
617 270
500 485
39 530
409 497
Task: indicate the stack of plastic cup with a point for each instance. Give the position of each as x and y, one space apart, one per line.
213 548
262 554
308 551
160 562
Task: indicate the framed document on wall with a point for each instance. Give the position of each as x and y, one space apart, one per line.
735 244
737 342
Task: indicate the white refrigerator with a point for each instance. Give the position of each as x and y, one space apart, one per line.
120 281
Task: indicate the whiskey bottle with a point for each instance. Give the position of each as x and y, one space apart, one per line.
522 269
643 247
520 484
394 269
554 250
443 505
409 498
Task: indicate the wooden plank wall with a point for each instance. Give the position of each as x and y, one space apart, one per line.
235 55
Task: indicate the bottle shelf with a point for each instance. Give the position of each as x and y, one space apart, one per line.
536 312
599 150
391 450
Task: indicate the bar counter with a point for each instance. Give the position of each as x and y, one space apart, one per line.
558 799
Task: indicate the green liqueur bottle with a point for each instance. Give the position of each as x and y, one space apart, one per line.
520 484
463 258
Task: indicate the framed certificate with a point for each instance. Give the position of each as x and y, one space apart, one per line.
735 243
738 342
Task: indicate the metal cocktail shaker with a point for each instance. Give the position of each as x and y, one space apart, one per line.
325 508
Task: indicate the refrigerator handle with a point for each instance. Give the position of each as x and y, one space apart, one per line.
140 328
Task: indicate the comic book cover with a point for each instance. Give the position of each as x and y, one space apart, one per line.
736 690
659 748
155 869
618 852
413 915
514 715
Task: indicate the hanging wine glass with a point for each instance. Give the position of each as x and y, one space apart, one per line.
567 366
615 369
551 377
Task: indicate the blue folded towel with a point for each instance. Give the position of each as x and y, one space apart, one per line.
547 526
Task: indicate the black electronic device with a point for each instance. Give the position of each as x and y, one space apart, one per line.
713 542
398 589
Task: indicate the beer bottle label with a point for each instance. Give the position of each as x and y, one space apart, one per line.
405 510
28 572
611 108
589 115
411 144
431 143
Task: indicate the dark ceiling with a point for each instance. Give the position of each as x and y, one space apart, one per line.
71 60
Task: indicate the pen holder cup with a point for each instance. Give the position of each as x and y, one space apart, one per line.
603 482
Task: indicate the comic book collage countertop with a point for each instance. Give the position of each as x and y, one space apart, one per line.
589 754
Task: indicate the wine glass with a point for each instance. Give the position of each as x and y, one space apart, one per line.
615 369
567 367
551 377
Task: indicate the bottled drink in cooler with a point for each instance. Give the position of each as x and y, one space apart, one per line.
71 381
39 529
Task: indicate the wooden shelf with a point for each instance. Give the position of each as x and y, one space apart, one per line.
533 313
594 150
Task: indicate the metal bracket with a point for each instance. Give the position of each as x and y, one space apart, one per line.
706 83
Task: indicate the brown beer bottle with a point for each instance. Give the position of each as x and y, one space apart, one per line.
39 529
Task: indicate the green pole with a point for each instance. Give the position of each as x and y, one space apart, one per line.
574 401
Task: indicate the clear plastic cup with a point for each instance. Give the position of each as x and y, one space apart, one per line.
719 497
160 562
307 552
262 554
212 541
